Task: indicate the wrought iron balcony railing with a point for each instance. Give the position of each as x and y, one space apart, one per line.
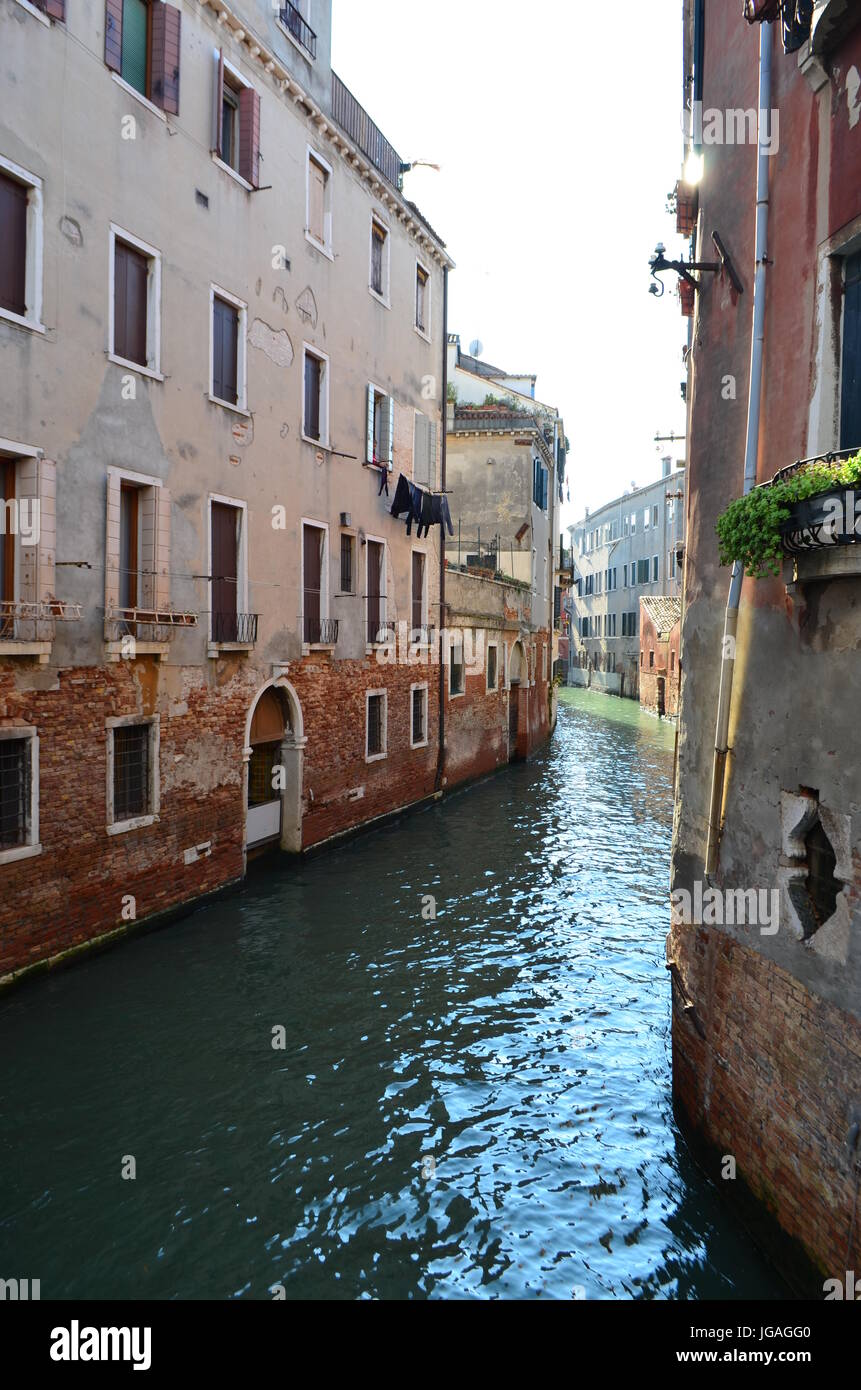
319 632
298 27
21 621
235 627
145 624
381 633
355 122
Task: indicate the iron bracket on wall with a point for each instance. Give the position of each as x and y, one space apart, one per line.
683 269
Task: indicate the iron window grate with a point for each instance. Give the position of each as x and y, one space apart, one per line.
375 724
14 792
418 716
131 771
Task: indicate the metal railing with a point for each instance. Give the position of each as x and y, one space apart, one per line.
355 122
298 27
380 632
21 621
145 624
322 632
235 627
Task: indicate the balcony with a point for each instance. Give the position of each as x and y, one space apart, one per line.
131 632
234 630
319 632
355 122
301 31
27 629
380 633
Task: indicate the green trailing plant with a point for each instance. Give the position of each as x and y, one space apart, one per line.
749 531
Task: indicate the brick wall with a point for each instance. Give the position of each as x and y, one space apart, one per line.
774 1083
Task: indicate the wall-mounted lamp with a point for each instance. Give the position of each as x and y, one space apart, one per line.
683 269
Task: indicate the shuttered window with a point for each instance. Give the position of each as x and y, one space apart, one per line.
225 522
318 180
313 543
230 127
378 255
422 296
424 451
129 543
225 351
13 245
131 280
850 396
418 592
381 427
313 386
376 553
7 549
135 45
142 45
420 698
347 547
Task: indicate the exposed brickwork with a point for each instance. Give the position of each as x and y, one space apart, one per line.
773 1083
659 662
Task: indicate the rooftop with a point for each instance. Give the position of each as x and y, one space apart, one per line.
664 612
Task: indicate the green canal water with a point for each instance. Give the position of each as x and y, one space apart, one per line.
476 1105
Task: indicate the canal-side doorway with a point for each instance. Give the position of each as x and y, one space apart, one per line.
273 755
516 670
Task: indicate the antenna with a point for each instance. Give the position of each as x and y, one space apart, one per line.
476 347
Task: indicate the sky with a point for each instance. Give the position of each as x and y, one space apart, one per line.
558 130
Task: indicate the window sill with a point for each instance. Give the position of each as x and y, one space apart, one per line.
10 856
318 246
152 372
114 650
421 333
42 650
37 14
375 757
381 299
215 649
316 443
419 745
237 178
226 405
139 96
308 647
121 827
456 694
22 321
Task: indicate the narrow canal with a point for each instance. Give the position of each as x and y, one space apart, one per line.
474 1105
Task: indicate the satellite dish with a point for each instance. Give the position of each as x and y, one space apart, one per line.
476 347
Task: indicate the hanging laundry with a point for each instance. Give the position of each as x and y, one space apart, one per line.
427 509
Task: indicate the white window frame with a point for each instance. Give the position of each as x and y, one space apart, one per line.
153 305
325 246
420 550
427 330
488 687
385 297
216 159
241 406
423 686
241 567
34 251
37 14
304 8
33 846
384 595
456 694
115 827
325 586
325 405
386 395
377 757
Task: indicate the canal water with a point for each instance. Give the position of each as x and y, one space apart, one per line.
472 1104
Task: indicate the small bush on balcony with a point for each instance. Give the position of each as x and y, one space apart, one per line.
749 531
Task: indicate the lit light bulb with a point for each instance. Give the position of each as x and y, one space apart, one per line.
694 167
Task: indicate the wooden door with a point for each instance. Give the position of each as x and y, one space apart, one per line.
225 571
312 582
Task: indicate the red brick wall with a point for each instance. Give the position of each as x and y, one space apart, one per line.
666 665
773 1084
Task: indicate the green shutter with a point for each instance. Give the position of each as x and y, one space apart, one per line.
370 436
133 69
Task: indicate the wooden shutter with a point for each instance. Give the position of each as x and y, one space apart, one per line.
27 492
317 201
114 34
217 98
312 396
432 436
418 589
387 430
312 576
131 273
375 604
56 9
112 544
162 548
164 56
129 557
420 450
225 571
47 528
369 454
13 245
850 403
225 332
249 136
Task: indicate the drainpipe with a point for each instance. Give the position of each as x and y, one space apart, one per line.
440 757
750 458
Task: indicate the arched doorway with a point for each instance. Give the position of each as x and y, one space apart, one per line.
273 785
517 673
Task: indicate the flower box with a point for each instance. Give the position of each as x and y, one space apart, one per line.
829 518
688 297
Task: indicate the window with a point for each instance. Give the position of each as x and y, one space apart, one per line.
379 280
319 203
137 551
142 46
624 576
295 18
381 427
236 123
228 568
20 246
315 399
424 451
492 651
651 658
419 721
419 597
348 554
850 407
375 591
375 725
654 569
641 658
672 661
228 320
540 483
544 661
671 564
456 674
654 516
314 585
133 778
134 310
423 291
19 794
633 523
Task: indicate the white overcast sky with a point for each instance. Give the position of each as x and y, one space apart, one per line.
558 129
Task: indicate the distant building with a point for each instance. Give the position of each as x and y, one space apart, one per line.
660 627
627 549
